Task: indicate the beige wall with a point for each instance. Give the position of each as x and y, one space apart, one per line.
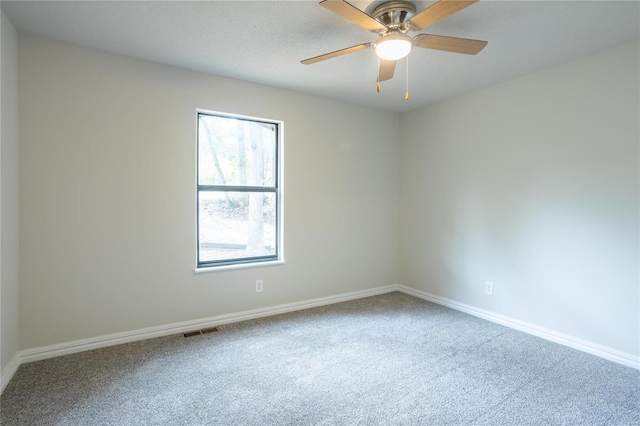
9 342
107 175
531 184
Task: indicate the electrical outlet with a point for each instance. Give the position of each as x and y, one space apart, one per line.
259 286
488 288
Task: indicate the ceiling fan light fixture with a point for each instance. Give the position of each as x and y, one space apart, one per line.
392 47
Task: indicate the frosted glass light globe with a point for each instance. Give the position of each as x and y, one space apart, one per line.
394 46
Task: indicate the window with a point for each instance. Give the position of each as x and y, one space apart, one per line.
239 200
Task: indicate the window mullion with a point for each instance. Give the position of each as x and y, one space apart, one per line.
236 188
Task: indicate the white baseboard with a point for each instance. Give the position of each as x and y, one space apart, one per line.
9 370
573 342
50 351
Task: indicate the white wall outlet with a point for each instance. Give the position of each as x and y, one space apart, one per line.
259 286
488 288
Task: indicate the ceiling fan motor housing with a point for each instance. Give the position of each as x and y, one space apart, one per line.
393 14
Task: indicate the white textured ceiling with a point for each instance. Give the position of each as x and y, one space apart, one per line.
264 41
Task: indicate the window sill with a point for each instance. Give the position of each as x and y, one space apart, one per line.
206 269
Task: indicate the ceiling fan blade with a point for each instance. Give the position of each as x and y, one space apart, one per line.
337 53
438 11
353 14
386 69
449 44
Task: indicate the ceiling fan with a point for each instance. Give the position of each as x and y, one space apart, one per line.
392 20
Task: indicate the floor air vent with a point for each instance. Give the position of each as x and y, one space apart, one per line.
199 332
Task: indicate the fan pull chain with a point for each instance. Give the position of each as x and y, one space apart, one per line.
378 77
406 95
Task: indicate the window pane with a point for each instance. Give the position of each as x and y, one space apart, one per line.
236 225
236 152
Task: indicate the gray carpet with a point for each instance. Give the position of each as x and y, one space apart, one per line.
387 360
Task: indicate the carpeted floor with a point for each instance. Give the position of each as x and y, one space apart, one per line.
384 360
